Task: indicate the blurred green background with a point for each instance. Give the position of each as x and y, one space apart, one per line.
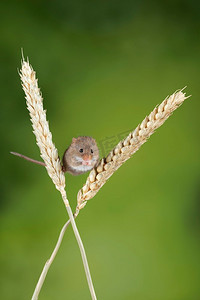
102 67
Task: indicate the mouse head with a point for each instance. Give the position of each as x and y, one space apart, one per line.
81 156
85 150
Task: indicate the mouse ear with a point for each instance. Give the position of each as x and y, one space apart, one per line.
73 140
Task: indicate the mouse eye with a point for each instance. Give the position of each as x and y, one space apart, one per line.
91 151
81 150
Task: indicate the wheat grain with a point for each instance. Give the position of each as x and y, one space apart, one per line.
126 148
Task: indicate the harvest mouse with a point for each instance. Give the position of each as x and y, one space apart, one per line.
80 157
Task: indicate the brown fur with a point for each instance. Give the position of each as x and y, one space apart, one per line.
73 159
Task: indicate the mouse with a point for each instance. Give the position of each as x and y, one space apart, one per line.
80 157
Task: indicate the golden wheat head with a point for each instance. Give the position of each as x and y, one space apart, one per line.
127 147
40 125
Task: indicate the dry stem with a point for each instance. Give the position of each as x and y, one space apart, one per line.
49 154
49 261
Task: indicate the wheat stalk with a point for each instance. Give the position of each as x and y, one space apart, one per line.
126 148
100 174
49 154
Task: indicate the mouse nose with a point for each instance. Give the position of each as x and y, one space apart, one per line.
87 157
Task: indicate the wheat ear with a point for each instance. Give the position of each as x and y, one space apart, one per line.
127 147
49 154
